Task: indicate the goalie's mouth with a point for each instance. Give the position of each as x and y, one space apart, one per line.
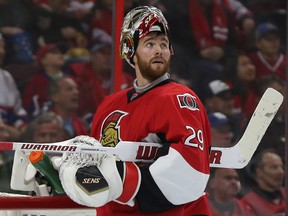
158 61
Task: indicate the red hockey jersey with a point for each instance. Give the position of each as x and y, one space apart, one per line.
171 114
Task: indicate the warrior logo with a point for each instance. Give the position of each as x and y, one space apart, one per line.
110 129
187 101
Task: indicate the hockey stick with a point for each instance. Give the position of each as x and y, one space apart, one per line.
236 157
240 154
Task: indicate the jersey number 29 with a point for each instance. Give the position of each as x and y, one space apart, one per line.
195 139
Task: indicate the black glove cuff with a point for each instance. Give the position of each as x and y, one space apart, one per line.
120 168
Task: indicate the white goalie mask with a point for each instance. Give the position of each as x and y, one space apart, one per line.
138 23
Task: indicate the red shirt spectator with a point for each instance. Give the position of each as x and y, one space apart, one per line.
224 186
268 196
64 98
241 79
264 207
268 59
240 209
35 93
266 67
94 77
94 88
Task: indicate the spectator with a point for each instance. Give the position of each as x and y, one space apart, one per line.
219 99
56 25
270 11
224 185
81 9
241 75
12 113
13 118
223 16
221 134
268 196
16 25
94 77
64 96
83 12
268 57
45 128
275 134
269 81
211 34
102 15
4 133
51 60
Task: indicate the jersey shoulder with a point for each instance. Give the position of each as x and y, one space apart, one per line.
173 89
177 95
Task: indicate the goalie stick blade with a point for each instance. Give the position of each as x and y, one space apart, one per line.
241 153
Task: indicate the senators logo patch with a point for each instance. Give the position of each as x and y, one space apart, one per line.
188 101
110 129
91 180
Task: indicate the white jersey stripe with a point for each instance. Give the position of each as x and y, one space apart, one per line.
179 182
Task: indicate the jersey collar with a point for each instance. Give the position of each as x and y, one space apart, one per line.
145 88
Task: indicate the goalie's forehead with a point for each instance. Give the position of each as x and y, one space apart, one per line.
137 24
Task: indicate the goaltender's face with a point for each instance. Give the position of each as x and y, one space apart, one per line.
152 56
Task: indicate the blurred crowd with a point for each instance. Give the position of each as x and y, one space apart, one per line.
56 67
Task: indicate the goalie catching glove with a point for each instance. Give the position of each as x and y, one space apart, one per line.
96 179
